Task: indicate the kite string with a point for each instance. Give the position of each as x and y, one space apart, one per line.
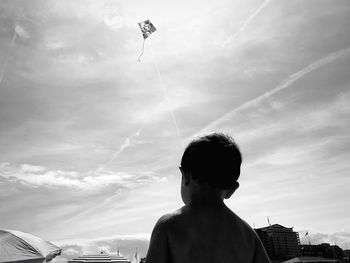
166 95
143 49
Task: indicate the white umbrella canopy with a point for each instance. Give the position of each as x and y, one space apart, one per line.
20 247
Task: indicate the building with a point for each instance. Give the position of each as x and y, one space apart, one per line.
311 250
310 260
346 253
280 242
322 250
102 258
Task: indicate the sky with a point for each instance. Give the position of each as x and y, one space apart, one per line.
91 139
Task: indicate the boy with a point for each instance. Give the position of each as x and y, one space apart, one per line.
205 230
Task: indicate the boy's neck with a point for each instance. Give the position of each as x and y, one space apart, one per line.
206 198
206 203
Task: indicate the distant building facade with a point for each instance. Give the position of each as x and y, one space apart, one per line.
311 250
311 260
322 250
102 258
280 242
346 253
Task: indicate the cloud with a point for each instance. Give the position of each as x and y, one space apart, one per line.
320 121
4 65
55 44
127 143
126 244
74 95
247 21
342 239
38 176
21 32
286 83
32 168
111 15
136 236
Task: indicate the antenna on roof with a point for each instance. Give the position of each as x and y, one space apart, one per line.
268 220
136 256
308 236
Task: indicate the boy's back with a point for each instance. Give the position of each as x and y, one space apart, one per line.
205 230
206 234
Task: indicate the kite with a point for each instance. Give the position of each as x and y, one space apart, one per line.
147 28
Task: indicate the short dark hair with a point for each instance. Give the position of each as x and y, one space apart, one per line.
214 159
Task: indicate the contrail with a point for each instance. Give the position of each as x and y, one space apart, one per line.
12 43
127 141
283 85
125 145
246 22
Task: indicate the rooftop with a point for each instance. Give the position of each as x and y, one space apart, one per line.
102 258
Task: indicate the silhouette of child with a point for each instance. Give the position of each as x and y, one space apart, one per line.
205 229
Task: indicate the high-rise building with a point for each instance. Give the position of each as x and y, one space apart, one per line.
280 242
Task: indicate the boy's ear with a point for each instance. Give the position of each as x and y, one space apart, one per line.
231 190
186 177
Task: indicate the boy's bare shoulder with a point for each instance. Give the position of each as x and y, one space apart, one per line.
171 222
242 226
166 224
159 244
170 218
186 217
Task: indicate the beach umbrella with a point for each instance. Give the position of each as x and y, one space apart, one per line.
20 247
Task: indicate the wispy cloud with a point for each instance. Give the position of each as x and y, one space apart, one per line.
4 65
39 176
246 22
32 168
21 31
286 83
127 143
87 143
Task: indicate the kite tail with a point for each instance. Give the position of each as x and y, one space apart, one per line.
143 49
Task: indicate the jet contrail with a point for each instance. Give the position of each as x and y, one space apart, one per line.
246 22
12 43
126 144
283 85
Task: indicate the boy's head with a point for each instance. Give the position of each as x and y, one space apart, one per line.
214 159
